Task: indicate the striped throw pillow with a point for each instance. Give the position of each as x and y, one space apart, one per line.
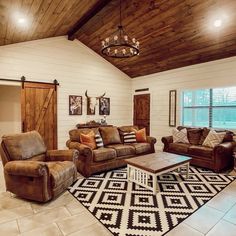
98 140
129 137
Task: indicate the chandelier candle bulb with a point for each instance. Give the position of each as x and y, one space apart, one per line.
133 40
115 37
115 51
107 40
126 38
123 51
103 43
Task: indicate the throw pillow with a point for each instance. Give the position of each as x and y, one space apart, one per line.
213 138
141 136
129 137
88 139
180 136
98 140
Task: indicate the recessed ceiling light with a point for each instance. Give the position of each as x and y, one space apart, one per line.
21 20
218 23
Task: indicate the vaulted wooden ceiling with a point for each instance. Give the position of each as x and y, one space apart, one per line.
172 33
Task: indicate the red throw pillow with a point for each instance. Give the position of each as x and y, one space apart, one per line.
88 139
141 136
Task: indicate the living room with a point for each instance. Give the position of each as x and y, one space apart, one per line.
39 50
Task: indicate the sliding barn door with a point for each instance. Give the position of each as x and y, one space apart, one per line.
39 111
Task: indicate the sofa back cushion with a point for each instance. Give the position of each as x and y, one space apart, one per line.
110 135
24 146
194 135
75 133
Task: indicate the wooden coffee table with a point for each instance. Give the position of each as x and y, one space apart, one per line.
142 169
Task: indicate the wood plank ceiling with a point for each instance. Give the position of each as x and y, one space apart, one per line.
172 33
45 18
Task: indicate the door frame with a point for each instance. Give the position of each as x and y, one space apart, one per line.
149 110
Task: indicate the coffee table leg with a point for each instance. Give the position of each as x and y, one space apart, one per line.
187 171
154 182
128 172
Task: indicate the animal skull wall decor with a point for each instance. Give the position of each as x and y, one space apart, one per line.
91 103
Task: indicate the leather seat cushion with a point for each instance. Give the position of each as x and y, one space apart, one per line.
141 148
60 171
103 154
179 147
123 149
201 151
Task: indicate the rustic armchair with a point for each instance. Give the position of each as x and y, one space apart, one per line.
33 172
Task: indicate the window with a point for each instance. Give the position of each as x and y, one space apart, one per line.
210 107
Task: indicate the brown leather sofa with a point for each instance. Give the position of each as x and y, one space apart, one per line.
33 172
113 153
218 158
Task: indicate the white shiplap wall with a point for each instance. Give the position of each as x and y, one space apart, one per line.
220 73
77 68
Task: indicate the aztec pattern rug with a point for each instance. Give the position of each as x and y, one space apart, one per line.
128 209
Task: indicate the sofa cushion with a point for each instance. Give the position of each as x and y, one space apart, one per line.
141 148
88 139
201 151
98 140
129 137
141 136
103 154
123 149
75 133
213 138
110 135
60 171
24 146
180 136
194 135
179 147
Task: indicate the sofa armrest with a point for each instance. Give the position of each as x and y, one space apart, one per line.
225 148
26 168
223 155
151 140
166 141
62 155
83 149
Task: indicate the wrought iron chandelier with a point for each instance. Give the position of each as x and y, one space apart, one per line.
119 44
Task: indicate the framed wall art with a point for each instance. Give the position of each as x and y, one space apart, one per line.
172 108
104 106
75 105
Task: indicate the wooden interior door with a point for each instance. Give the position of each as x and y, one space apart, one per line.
142 111
39 111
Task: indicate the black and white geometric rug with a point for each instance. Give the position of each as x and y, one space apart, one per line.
127 209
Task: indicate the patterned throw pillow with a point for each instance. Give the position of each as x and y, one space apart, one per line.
129 137
180 136
214 138
98 140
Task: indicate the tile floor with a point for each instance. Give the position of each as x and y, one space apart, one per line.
66 216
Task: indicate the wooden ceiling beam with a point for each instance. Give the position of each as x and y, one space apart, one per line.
86 17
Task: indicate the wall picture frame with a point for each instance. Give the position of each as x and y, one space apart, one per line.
104 106
75 105
172 108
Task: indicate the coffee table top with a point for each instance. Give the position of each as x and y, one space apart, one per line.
157 162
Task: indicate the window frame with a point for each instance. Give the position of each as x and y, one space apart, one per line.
210 108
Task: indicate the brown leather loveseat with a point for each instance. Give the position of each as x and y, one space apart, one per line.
33 172
218 158
113 153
